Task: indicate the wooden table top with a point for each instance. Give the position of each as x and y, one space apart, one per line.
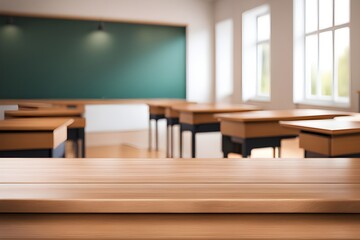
328 126
355 118
278 115
35 105
214 108
180 185
181 226
34 124
52 112
81 101
166 102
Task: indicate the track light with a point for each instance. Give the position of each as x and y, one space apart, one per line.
9 20
100 26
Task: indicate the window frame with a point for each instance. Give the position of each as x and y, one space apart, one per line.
258 93
334 98
249 54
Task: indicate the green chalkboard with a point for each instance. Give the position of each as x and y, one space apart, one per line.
54 58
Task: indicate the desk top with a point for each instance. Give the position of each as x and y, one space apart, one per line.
278 115
52 112
329 126
35 105
81 101
34 124
180 185
214 108
354 118
166 102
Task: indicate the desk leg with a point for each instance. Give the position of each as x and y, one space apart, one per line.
150 137
82 139
156 136
229 146
193 144
167 139
75 144
181 141
172 140
279 152
246 150
274 152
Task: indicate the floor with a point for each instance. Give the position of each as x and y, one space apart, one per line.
135 145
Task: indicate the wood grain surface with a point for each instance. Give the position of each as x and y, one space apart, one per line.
51 112
81 101
281 115
180 185
38 124
328 126
215 108
180 226
180 199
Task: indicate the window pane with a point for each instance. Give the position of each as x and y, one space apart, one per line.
311 15
224 59
342 11
325 13
311 67
342 62
263 27
326 62
263 69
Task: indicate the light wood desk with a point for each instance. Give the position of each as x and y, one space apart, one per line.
76 131
199 118
33 138
242 132
180 199
46 106
33 106
157 111
328 138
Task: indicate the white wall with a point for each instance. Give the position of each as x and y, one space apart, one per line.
282 49
196 14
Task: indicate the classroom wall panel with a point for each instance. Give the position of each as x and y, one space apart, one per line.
54 58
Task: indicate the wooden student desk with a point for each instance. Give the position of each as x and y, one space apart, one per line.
242 132
76 131
33 137
180 199
44 105
330 138
199 118
157 111
34 106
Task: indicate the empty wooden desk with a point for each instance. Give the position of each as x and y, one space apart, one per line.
242 132
157 109
180 199
33 137
45 105
76 131
34 106
328 138
199 118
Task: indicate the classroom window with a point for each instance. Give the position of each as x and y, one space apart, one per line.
224 60
256 54
325 39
